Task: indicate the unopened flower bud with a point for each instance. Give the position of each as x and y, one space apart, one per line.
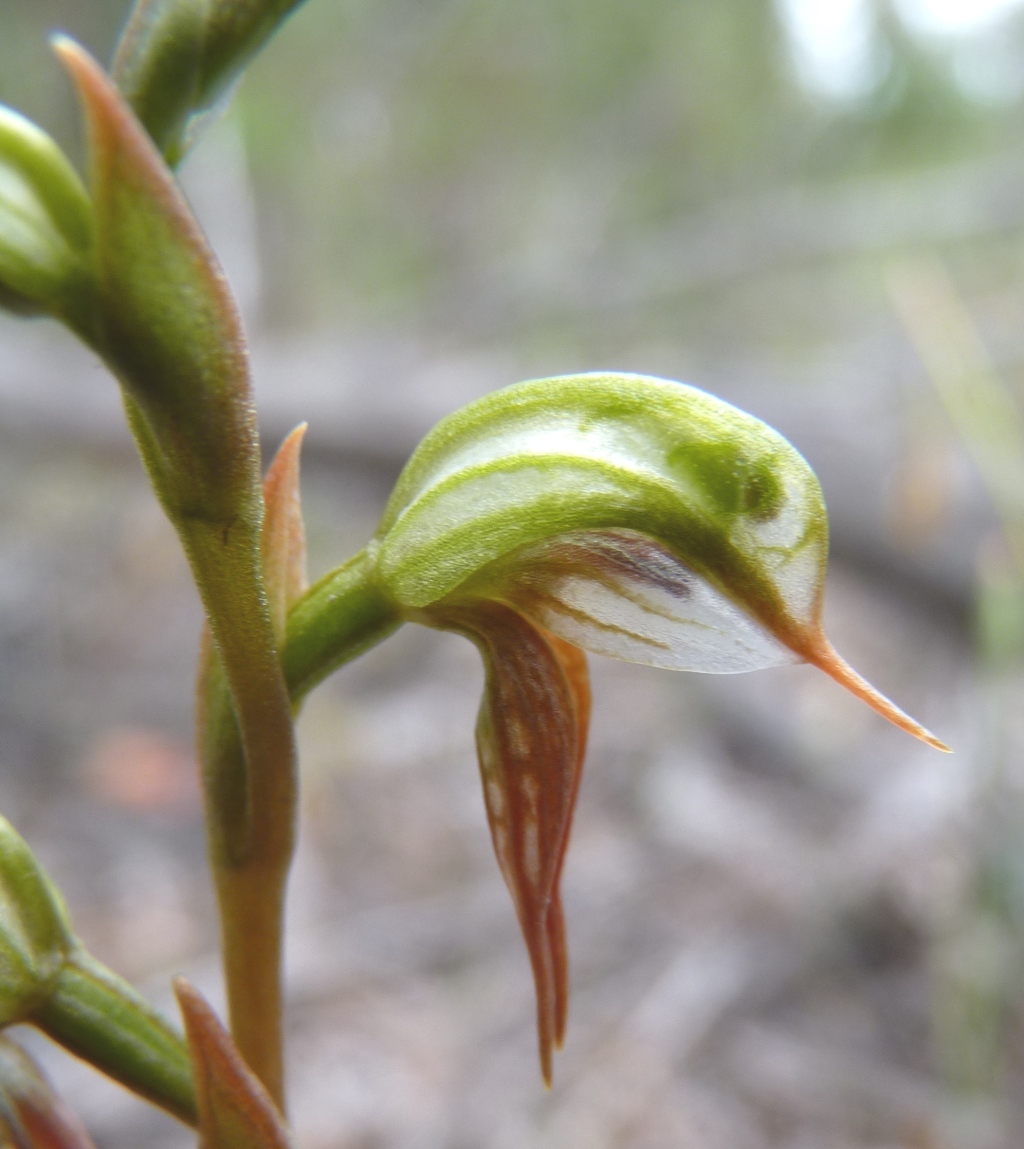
46 227
35 937
177 57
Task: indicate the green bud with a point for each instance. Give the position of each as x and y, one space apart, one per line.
46 227
176 58
48 979
35 936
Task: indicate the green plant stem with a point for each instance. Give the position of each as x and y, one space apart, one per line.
167 326
251 898
343 615
98 1016
339 618
240 622
252 811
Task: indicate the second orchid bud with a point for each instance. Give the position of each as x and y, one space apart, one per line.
46 226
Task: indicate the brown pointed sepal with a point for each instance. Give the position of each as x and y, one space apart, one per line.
235 1111
32 1116
531 736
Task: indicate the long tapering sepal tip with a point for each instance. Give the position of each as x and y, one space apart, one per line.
825 657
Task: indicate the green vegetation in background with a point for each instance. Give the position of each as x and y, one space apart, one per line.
28 79
473 139
463 150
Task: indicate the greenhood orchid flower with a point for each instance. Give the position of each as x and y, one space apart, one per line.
618 514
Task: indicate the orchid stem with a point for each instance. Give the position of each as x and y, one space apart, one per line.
250 845
253 811
339 618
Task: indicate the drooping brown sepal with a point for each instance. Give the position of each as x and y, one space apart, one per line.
531 736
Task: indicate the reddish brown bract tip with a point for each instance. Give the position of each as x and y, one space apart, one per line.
284 532
235 1111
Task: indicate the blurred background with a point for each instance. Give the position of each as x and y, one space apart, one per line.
789 925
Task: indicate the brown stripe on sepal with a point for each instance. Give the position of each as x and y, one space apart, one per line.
573 662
